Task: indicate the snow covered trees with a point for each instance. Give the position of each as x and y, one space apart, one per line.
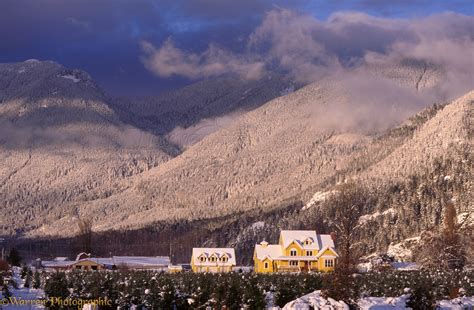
445 249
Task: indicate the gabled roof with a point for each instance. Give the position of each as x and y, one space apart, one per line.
276 251
325 241
325 249
219 252
299 236
95 260
270 251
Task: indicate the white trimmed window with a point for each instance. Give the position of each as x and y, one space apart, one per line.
202 259
329 263
293 263
309 253
293 252
224 259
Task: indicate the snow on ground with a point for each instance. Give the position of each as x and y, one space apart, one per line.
460 303
314 300
370 217
23 293
71 77
405 266
258 225
403 251
383 303
318 197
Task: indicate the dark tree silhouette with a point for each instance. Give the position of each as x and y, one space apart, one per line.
14 258
85 234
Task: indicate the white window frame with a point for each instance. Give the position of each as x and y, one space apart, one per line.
309 253
293 250
329 263
293 263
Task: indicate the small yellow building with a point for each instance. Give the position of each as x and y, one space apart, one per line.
297 250
87 264
213 259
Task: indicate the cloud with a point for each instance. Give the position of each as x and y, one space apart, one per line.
168 61
309 49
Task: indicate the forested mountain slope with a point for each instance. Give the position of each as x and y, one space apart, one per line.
61 144
287 149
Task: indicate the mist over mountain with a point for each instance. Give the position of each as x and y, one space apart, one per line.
270 123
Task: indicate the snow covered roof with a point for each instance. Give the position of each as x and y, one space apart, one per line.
270 250
56 263
218 252
299 236
60 259
131 261
142 260
320 243
325 241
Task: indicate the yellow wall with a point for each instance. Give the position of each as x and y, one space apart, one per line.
318 264
208 268
295 246
323 258
86 265
260 265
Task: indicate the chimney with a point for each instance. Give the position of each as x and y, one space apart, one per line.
264 243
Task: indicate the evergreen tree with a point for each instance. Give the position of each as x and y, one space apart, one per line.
342 285
14 257
254 297
57 285
36 280
421 297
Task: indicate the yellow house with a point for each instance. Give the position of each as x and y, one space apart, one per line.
213 259
297 250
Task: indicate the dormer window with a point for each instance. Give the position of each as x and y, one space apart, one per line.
308 241
202 258
213 258
224 259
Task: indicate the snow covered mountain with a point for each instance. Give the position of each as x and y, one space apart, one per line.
131 165
60 142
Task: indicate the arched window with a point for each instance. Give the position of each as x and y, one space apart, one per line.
224 259
293 252
202 258
266 265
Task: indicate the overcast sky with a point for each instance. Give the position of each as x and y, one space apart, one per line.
143 47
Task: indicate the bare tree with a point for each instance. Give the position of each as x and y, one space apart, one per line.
348 205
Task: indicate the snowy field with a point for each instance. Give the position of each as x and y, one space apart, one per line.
314 300
22 293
